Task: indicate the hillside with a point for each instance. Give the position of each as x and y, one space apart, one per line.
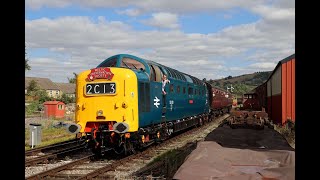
243 83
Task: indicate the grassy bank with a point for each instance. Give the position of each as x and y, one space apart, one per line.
287 133
49 134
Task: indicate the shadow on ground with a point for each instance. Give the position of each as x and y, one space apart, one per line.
245 138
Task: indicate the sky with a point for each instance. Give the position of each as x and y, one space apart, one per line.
208 39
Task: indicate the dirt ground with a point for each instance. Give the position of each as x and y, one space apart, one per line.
249 138
240 154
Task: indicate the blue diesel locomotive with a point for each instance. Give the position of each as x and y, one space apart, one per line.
120 104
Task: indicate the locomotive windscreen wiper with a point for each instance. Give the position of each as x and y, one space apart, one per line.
126 64
134 66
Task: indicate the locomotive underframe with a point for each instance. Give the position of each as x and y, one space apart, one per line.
104 140
220 111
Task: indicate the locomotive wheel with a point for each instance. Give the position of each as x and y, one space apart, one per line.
128 148
126 151
97 152
200 122
121 149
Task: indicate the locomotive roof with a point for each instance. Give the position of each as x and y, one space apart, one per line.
183 76
170 71
289 58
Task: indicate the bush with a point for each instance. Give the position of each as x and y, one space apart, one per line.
290 125
66 99
31 108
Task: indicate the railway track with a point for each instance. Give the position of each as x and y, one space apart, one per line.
87 168
35 151
55 155
55 151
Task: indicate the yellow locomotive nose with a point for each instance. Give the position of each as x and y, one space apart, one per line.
107 101
99 113
124 104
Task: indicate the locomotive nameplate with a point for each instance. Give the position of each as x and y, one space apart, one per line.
100 88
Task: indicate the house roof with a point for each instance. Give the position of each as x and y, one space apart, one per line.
68 88
44 83
53 102
289 58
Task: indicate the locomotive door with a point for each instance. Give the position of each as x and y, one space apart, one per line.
157 78
156 92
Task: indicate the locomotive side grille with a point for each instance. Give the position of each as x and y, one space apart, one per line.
147 94
142 100
144 97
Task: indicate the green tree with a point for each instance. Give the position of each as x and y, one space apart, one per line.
38 95
27 67
66 99
32 87
42 96
229 77
74 79
241 89
31 108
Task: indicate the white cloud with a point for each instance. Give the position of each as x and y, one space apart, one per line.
163 20
176 6
274 13
37 4
86 42
263 65
53 68
130 12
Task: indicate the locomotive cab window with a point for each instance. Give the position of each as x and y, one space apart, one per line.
184 90
109 63
157 73
152 73
131 64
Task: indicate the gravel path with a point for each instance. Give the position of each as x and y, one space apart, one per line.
31 170
42 167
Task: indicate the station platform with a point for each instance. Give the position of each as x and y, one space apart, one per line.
240 154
